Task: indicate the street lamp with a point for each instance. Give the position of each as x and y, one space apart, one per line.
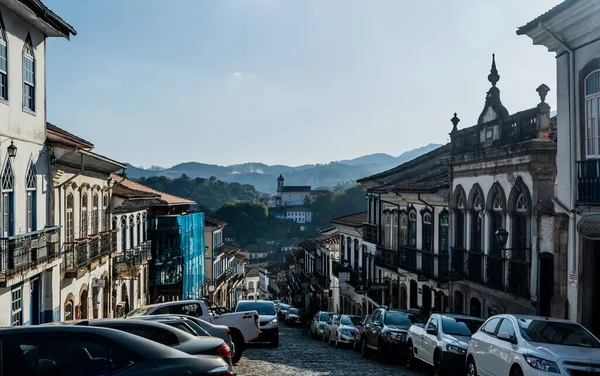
501 237
12 149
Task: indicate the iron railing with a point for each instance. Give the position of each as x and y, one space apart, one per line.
132 257
21 252
81 252
356 278
371 233
588 181
428 264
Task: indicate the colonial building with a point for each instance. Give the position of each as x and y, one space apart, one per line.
228 272
503 171
312 275
251 280
572 31
213 238
406 233
29 246
80 198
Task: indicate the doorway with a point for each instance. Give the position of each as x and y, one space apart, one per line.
546 283
105 298
459 302
590 283
414 294
403 296
426 299
84 304
34 318
475 307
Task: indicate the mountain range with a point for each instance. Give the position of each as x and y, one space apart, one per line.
264 177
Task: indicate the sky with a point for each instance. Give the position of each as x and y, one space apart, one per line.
291 82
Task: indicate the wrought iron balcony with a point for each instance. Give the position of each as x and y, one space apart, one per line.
355 278
82 252
131 258
431 265
22 252
371 233
588 181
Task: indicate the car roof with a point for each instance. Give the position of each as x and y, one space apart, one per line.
532 317
176 302
256 301
100 322
458 316
145 347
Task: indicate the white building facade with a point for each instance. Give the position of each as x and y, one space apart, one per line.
29 244
572 31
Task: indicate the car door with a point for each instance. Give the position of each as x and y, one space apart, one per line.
429 339
75 354
334 325
501 356
366 327
376 329
482 346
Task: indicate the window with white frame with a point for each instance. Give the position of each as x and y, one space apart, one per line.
427 232
84 216
95 214
139 229
131 233
412 228
70 224
592 118
388 231
106 221
31 198
395 231
3 62
444 231
123 233
404 229
8 183
17 306
28 75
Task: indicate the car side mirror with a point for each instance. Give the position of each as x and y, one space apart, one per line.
506 337
432 332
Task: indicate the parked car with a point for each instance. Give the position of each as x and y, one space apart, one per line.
520 345
283 310
442 342
293 317
360 327
386 332
343 331
269 325
318 323
203 328
333 320
164 334
82 351
244 326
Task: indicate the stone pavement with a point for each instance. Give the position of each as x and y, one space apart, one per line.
301 355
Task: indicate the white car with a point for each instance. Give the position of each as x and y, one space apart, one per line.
269 325
519 345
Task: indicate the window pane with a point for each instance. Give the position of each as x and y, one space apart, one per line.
507 327
590 87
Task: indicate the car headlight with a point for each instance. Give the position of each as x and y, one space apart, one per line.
272 322
397 336
455 350
541 364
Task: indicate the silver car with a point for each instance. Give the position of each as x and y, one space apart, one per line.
318 323
343 330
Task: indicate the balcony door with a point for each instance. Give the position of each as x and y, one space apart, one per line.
592 116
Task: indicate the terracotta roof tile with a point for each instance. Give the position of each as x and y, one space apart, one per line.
59 137
544 17
165 198
352 220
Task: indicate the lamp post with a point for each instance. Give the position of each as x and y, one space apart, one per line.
501 236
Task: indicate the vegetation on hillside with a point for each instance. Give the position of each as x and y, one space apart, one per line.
209 193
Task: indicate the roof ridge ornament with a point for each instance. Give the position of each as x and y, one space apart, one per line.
494 77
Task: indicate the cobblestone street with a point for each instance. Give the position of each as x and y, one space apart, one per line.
302 355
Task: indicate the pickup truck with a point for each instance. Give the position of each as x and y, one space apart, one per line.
244 326
442 342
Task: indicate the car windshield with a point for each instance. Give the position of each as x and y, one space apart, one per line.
460 327
284 307
142 311
324 316
294 311
350 320
263 308
397 319
557 333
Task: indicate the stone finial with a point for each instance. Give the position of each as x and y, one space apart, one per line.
494 77
455 120
543 90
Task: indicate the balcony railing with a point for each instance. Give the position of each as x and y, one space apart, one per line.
132 258
588 181
471 265
356 278
371 233
82 252
22 252
428 264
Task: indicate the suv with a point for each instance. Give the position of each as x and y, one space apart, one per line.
267 315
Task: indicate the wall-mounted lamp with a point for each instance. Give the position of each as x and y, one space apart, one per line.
12 149
52 159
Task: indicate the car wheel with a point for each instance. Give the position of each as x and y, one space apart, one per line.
517 371
471 368
364 351
410 358
381 355
437 364
238 343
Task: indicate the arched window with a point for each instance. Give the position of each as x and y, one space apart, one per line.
497 214
69 310
592 118
131 233
348 250
387 232
342 249
106 221
412 228
30 184
403 229
8 201
3 62
95 215
476 202
395 232
84 216
145 227
123 234
444 231
70 223
138 223
521 222
427 232
28 75
459 215
356 258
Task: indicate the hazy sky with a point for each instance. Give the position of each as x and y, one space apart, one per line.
285 81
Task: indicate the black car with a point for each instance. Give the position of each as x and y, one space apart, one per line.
386 332
82 351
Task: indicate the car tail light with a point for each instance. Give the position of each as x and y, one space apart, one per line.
257 321
224 351
221 371
228 333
